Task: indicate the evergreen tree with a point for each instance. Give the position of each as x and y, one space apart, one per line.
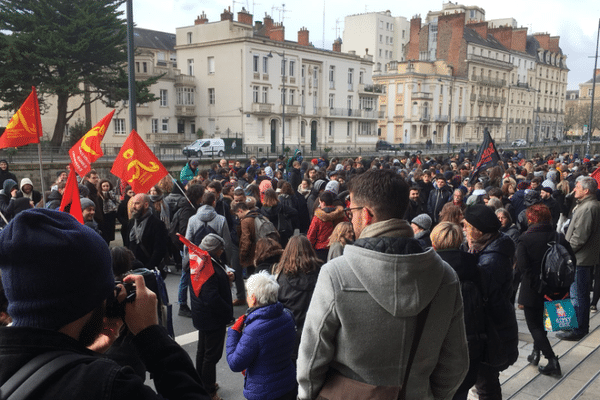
67 49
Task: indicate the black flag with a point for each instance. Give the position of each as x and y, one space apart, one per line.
486 157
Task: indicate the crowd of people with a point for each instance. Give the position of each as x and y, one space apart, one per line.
399 274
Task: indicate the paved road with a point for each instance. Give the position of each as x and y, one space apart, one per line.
231 383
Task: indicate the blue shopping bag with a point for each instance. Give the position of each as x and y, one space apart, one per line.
559 315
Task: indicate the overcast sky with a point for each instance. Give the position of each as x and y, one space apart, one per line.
575 21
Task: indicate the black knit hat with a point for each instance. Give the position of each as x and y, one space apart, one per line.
482 218
54 269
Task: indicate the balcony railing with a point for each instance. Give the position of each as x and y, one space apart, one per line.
488 80
460 120
262 108
422 95
185 111
489 120
185 80
441 118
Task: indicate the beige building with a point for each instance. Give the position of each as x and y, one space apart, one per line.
463 77
578 107
249 79
379 34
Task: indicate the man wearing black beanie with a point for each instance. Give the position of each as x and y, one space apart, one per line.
58 280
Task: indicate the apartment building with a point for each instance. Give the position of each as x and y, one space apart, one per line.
251 81
485 75
379 34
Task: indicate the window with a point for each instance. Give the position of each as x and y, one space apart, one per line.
185 96
381 24
265 65
332 77
380 38
255 61
211 96
265 94
331 100
402 33
119 126
349 102
137 66
189 37
590 92
255 94
180 126
350 78
191 67
164 101
349 129
391 40
315 78
154 125
387 40
292 93
165 125
211 65
331 128
391 56
292 67
361 77
145 67
283 62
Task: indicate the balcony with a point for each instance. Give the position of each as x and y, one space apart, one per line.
185 80
185 111
344 112
362 88
488 81
422 96
440 118
460 120
489 120
473 97
144 111
511 120
372 114
522 85
262 108
289 109
425 118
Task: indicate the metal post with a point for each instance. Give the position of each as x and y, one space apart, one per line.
131 69
283 109
450 115
591 127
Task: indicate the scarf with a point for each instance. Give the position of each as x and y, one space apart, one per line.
135 235
390 228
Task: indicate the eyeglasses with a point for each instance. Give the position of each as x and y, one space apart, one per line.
348 211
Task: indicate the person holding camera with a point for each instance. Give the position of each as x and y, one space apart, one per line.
58 279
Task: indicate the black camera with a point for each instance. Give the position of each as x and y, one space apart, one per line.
116 309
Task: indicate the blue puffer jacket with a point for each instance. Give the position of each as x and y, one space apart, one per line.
264 350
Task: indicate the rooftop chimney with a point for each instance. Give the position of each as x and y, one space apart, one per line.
337 45
277 32
303 37
227 15
201 19
244 17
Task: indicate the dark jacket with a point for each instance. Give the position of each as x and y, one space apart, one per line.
512 232
295 178
437 199
93 196
495 263
530 252
212 309
414 208
100 378
286 214
264 350
295 292
154 242
4 175
180 220
54 200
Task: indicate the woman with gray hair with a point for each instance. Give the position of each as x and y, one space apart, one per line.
261 342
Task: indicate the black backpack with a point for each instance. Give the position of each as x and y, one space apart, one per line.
558 268
202 232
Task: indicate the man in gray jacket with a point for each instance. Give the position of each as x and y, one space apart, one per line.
363 315
583 235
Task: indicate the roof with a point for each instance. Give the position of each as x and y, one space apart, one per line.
532 48
153 39
471 36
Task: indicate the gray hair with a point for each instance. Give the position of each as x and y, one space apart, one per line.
588 183
264 287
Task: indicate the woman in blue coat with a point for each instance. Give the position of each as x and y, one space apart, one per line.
261 343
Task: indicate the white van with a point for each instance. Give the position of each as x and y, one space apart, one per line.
205 147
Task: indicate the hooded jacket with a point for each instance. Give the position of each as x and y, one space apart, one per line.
34 196
4 175
207 215
363 313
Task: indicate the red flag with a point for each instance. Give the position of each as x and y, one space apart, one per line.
137 165
201 267
71 196
88 149
596 175
25 126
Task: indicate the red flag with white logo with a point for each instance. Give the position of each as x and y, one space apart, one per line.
201 267
137 165
88 149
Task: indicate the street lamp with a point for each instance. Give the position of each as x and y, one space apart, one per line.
282 100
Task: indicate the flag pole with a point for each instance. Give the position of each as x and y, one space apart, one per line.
3 217
182 190
42 175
